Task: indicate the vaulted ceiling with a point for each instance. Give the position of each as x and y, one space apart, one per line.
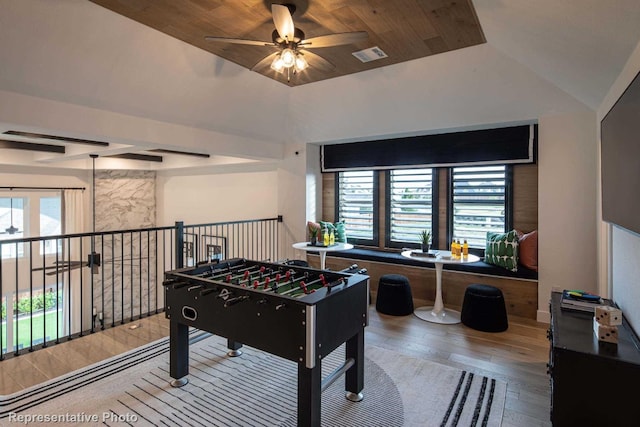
97 71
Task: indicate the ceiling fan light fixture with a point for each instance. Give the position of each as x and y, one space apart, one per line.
289 41
301 63
278 64
288 57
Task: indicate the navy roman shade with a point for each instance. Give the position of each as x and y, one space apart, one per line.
515 144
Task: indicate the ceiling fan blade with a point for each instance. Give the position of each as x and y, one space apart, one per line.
125 260
62 270
52 270
283 21
316 61
238 41
334 39
265 62
68 263
60 265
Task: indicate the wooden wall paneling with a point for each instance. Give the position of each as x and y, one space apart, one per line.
521 296
328 197
443 196
382 208
525 195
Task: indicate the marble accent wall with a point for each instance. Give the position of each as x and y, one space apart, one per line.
125 199
126 285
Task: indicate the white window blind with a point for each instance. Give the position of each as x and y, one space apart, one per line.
410 204
479 203
356 204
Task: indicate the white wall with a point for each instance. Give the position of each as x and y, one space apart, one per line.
466 88
293 197
567 181
199 199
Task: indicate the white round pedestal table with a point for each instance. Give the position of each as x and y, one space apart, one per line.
437 313
322 250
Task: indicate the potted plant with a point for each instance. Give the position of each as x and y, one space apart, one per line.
425 240
313 235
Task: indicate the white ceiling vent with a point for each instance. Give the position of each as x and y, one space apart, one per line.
371 54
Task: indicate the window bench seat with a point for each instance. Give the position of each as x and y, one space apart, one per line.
479 267
519 288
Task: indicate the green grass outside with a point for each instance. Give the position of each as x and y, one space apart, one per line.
25 324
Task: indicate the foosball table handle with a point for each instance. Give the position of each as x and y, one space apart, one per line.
236 300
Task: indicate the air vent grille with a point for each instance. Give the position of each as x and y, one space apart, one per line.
371 54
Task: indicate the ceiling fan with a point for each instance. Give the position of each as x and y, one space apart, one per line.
293 47
93 261
93 258
11 229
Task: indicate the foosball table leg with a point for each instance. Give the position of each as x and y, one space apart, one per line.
354 377
178 353
309 395
234 348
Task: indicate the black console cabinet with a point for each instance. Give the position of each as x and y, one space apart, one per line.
592 383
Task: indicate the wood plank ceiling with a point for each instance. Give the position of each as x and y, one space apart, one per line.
403 29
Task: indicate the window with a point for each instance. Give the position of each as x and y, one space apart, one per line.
50 223
34 320
357 205
479 203
12 223
479 199
31 214
410 200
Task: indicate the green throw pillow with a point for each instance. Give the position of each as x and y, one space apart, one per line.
502 250
328 225
341 235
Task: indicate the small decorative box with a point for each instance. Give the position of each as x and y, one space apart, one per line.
605 333
609 316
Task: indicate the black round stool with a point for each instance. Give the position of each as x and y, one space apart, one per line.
394 295
483 309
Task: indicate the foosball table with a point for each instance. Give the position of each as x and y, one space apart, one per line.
298 313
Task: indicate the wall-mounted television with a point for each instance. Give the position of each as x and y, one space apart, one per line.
620 139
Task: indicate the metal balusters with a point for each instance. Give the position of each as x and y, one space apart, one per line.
2 338
74 305
15 312
101 313
81 305
44 297
30 298
70 298
58 294
113 277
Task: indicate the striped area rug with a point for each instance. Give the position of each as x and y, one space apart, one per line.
255 389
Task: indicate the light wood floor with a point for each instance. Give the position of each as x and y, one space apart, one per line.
31 368
517 356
